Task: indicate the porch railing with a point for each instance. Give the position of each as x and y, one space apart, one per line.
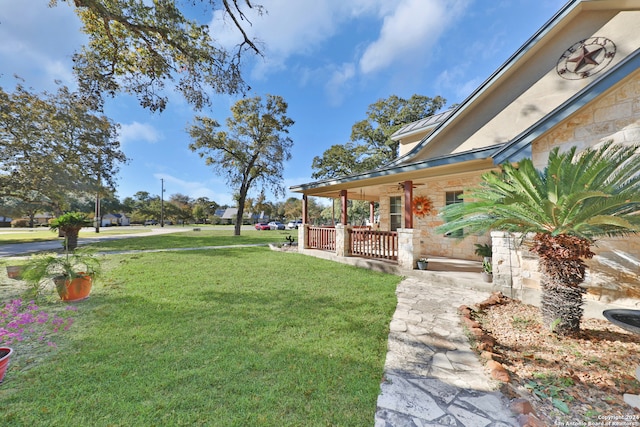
374 244
322 238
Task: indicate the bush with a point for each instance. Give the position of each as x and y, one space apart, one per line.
20 223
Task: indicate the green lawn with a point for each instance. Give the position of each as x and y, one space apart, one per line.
22 235
225 337
191 239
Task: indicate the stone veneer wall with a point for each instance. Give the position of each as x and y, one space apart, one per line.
426 240
614 273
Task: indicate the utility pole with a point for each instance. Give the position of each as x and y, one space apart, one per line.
97 210
162 204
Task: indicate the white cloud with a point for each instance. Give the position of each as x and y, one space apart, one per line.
339 78
287 28
138 132
402 33
409 32
39 45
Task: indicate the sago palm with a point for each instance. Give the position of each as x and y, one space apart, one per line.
578 198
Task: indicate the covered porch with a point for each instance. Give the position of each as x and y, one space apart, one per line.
404 202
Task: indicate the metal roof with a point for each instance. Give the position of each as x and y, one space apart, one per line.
421 124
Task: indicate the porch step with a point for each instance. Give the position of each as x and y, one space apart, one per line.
449 271
458 279
453 272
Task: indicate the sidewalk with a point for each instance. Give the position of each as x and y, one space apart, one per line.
432 377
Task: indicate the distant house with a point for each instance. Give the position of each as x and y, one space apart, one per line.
229 215
109 220
42 218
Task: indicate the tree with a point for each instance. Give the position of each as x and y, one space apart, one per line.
576 199
204 208
253 149
293 208
183 207
138 46
371 145
53 147
339 160
261 205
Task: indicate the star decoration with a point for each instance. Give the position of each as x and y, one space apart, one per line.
585 58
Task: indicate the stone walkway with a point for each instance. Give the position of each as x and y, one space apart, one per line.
432 377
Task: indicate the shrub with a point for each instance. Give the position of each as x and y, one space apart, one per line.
20 223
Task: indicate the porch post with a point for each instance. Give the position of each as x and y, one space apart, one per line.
303 237
408 204
305 207
408 248
343 200
372 212
303 234
343 244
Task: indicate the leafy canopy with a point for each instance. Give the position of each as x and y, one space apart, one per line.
589 194
53 147
252 150
371 145
138 46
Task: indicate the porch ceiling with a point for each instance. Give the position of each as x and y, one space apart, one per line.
371 186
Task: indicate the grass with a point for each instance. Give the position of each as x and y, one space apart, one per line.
191 239
21 235
231 337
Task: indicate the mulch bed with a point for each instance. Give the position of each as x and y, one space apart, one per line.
567 380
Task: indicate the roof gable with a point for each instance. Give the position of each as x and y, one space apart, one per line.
528 86
521 100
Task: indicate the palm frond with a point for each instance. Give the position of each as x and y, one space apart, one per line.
589 194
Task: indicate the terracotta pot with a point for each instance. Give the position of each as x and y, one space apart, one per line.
74 290
5 354
14 271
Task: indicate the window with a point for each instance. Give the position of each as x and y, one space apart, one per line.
451 198
395 210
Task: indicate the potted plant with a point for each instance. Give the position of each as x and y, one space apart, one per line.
69 225
484 250
5 354
487 270
72 273
14 271
422 263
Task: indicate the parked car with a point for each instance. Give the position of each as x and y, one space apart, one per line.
262 226
151 222
294 224
276 225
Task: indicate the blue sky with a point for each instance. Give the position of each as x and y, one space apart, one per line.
329 59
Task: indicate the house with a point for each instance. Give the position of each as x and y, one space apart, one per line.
109 220
229 216
575 82
42 219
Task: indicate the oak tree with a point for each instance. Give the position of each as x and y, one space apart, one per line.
251 151
53 147
371 145
138 47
